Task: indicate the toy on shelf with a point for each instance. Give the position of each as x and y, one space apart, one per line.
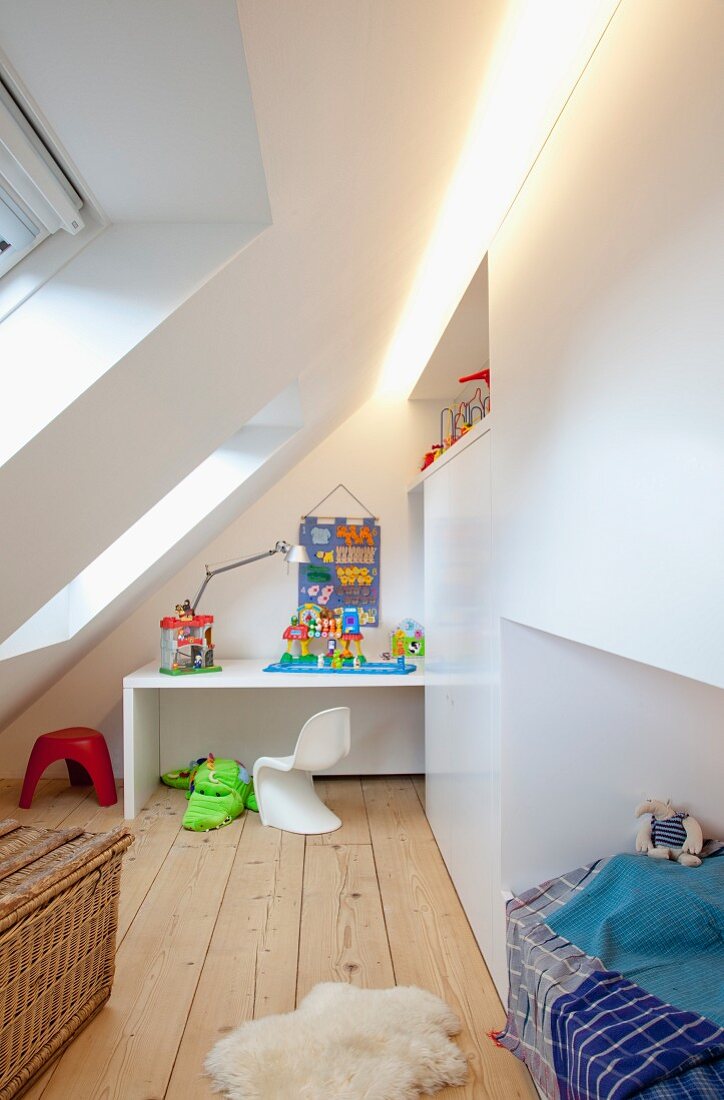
187 643
297 632
311 622
458 418
351 633
337 630
408 639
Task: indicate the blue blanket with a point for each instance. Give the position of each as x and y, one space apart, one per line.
589 1031
660 924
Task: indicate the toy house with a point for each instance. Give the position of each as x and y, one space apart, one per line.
187 645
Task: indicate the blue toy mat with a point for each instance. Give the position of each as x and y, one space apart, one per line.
371 668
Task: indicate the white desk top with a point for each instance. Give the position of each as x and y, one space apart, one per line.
249 674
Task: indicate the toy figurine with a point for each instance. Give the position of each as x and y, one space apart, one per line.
320 661
351 633
408 639
670 834
296 632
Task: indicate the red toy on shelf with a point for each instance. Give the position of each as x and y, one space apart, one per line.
457 419
187 643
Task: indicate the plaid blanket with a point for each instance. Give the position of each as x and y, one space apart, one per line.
587 1033
660 924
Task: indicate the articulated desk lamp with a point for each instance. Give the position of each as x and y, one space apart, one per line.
186 637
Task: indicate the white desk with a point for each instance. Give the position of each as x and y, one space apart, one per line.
168 720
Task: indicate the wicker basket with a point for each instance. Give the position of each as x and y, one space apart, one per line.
58 918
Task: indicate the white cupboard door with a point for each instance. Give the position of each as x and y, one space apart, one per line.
470 678
458 704
438 787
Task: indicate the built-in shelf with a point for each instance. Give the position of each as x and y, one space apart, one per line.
475 433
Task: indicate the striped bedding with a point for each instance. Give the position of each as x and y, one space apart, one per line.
591 1033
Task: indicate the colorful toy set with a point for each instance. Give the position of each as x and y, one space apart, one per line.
219 791
338 630
457 419
407 639
187 643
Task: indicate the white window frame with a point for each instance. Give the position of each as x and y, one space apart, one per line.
36 193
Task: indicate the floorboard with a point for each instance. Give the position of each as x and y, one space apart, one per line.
344 797
53 801
128 1052
431 941
219 928
252 957
343 936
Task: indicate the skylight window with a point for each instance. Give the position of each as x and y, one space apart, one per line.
18 233
36 198
164 526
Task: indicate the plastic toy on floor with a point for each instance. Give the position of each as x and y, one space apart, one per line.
219 790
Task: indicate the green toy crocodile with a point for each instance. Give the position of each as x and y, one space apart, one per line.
218 791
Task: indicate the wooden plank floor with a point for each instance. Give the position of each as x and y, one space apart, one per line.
223 927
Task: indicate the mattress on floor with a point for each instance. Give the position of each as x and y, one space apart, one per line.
616 981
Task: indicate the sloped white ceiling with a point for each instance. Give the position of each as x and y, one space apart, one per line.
151 101
362 110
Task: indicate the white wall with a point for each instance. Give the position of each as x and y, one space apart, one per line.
606 349
587 736
375 453
606 284
584 737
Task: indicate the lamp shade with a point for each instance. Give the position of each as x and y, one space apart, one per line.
297 555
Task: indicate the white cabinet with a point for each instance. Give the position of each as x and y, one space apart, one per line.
459 677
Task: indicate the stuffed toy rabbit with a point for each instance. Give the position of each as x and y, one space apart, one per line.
670 834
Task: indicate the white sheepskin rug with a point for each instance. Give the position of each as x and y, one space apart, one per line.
343 1043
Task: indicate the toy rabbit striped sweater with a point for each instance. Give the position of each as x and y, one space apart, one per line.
669 832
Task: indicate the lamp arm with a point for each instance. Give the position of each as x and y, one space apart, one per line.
280 548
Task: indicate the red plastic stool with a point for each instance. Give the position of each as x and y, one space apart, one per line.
85 752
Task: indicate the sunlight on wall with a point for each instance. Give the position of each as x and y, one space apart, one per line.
542 51
103 303
161 528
